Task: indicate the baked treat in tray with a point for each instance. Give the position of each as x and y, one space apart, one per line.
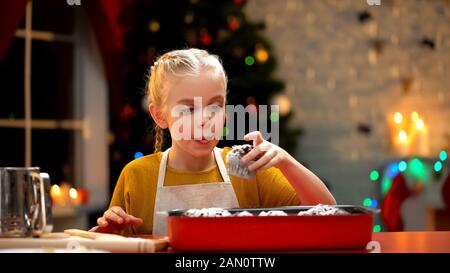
234 164
323 210
207 212
273 213
318 210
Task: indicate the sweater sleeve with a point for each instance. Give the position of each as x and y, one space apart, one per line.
120 198
275 190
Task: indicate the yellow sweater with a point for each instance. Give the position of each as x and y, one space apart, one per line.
136 188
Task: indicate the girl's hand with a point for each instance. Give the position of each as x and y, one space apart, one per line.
264 153
309 188
114 220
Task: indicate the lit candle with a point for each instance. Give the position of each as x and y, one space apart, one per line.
83 196
420 124
402 143
423 142
415 116
74 197
397 123
56 195
419 142
398 118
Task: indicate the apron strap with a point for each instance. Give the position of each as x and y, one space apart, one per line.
162 169
217 157
221 165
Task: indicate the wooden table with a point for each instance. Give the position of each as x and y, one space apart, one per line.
388 242
396 242
402 242
413 242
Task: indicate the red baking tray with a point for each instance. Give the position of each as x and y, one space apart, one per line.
266 233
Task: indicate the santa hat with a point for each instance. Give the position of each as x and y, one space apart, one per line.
392 202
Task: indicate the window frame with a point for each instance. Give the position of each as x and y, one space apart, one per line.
90 122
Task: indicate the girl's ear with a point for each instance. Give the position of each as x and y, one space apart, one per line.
157 115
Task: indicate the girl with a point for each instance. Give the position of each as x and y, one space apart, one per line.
191 173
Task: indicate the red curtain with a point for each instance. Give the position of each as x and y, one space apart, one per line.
392 202
105 19
11 12
104 16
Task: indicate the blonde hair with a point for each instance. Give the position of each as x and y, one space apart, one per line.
178 63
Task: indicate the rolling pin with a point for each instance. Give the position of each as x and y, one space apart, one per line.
93 235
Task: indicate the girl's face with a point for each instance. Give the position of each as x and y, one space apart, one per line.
195 112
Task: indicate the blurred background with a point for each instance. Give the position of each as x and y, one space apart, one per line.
363 89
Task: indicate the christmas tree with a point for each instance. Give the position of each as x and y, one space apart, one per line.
221 27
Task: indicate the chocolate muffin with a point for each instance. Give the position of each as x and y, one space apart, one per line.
234 165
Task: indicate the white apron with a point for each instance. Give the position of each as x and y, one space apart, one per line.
205 195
